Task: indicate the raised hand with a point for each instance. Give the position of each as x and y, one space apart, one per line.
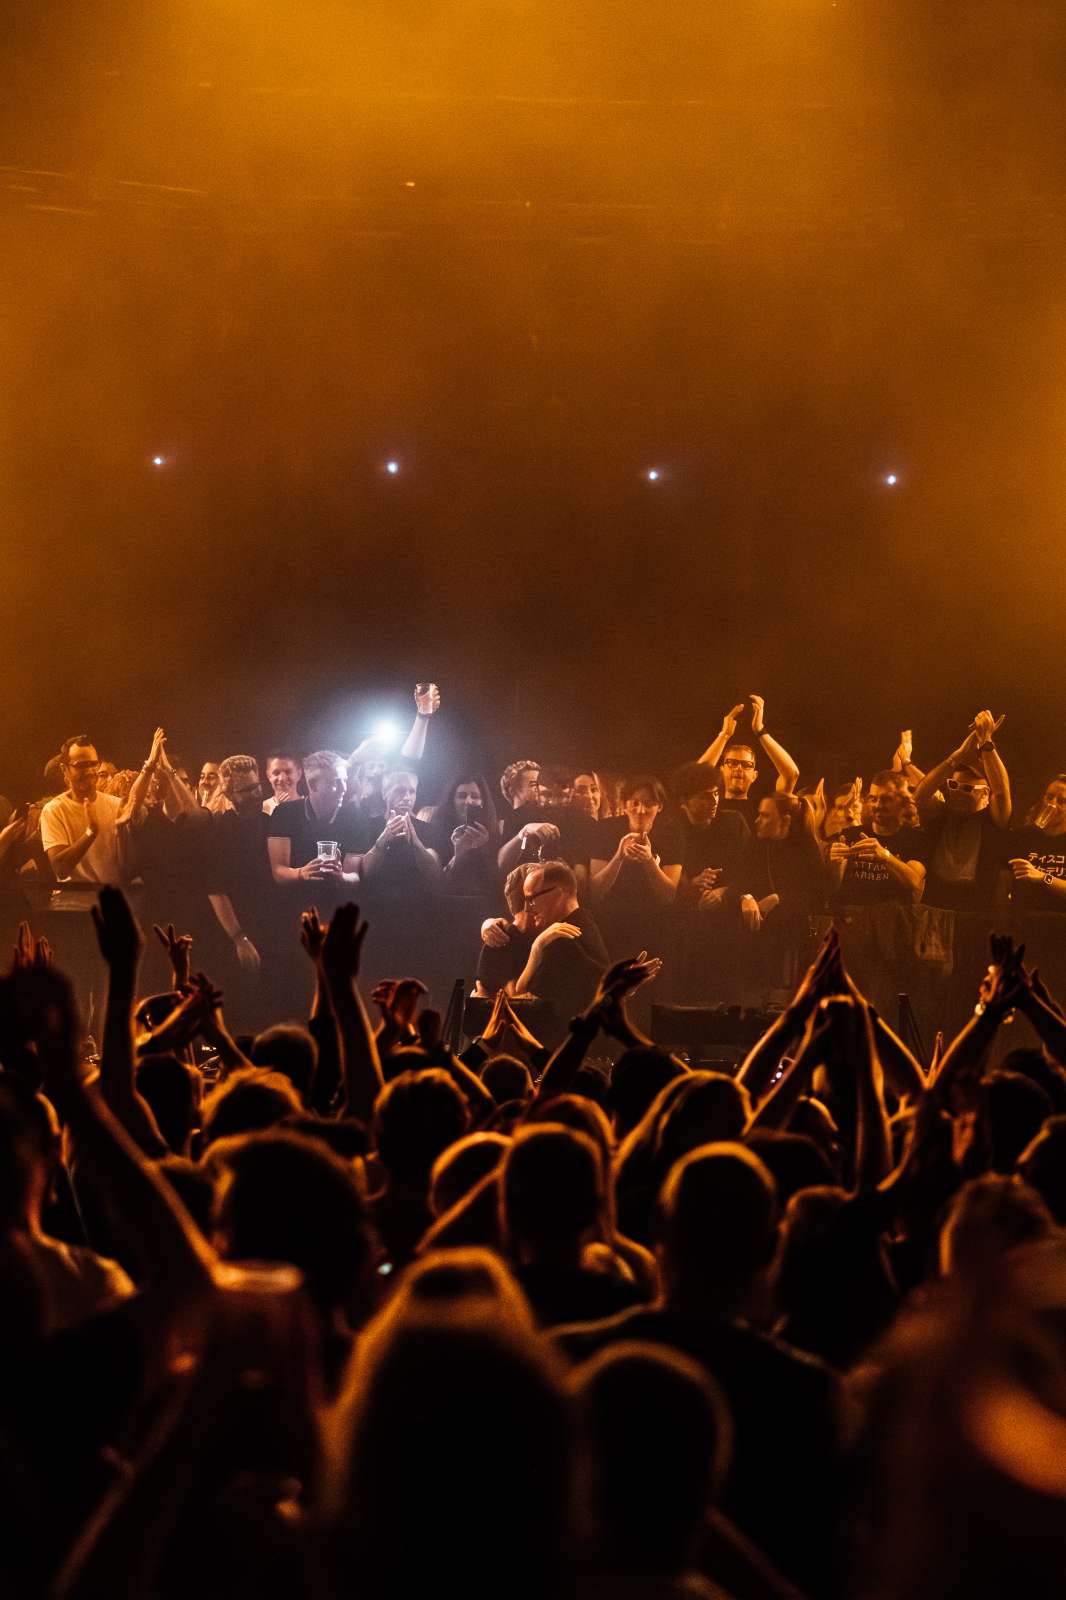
117 933
985 726
904 750
312 934
155 755
427 699
758 714
178 947
625 977
1004 983
343 944
729 721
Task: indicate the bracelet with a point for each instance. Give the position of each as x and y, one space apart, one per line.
981 748
764 733
240 934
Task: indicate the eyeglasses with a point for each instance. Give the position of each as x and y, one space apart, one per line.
83 766
967 788
528 899
738 763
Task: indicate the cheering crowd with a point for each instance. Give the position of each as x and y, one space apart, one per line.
311 1290
729 870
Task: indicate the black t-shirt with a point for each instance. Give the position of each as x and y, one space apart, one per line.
235 858
1047 852
497 968
791 867
294 820
569 968
719 844
965 854
578 832
867 883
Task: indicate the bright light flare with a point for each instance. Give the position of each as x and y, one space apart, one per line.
891 479
653 474
159 461
385 732
392 468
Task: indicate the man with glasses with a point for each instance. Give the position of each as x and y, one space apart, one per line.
567 954
78 827
965 807
79 833
737 761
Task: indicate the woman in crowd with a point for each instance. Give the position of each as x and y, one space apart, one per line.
634 874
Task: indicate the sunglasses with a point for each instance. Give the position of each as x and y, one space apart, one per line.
967 788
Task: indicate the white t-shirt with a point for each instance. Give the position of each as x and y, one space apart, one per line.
63 823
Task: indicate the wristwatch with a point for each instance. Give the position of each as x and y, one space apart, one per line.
1049 879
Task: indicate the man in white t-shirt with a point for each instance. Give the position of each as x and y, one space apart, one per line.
78 828
80 835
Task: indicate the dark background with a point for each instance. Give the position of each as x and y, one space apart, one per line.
774 248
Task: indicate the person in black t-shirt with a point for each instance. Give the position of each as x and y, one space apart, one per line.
466 834
737 759
964 805
713 840
1038 854
505 942
636 869
550 827
888 864
567 954
297 828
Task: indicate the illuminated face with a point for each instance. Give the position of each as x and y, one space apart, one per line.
401 793
283 775
887 807
642 809
1055 802
966 794
82 770
526 790
243 792
769 822
586 795
207 785
701 808
544 905
326 788
738 771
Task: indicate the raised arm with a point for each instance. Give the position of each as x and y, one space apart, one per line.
361 1076
121 944
178 1259
716 749
787 770
615 984
822 977
139 787
427 704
